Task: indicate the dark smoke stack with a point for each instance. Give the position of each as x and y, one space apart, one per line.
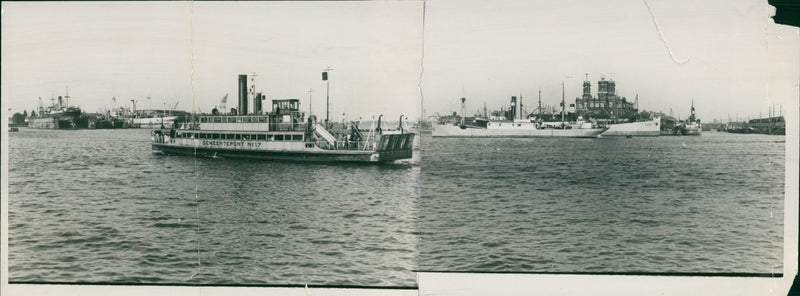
242 94
514 108
60 103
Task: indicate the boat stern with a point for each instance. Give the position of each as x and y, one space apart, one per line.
390 147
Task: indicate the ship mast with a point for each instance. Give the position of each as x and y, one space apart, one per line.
463 110
540 103
66 96
562 103
327 95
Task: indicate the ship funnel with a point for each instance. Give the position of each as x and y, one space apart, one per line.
242 94
514 107
463 110
60 103
401 124
378 129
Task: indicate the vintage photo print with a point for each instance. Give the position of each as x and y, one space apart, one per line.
209 143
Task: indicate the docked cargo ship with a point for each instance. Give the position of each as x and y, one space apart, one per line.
650 128
617 113
154 121
514 125
59 115
773 125
149 118
282 134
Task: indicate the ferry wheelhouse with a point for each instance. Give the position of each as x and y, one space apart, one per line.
282 134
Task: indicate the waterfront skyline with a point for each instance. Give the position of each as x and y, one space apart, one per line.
191 54
716 54
729 57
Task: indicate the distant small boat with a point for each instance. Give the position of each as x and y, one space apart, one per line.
692 127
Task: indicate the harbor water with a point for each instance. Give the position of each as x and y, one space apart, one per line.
99 206
704 204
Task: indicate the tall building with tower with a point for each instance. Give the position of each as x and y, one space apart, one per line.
607 106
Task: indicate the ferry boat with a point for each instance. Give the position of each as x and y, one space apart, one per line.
514 125
282 134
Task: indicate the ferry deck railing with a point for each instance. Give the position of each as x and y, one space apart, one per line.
273 127
345 145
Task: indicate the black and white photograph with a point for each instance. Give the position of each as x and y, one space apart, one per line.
399 148
622 138
181 143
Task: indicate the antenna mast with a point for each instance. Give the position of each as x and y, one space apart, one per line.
66 96
253 91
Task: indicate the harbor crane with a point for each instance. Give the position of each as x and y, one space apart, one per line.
173 107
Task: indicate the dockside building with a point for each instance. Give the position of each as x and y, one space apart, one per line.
607 105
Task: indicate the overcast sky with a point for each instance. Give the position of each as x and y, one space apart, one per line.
492 50
726 55
191 53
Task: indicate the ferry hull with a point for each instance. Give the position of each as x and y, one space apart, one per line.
650 128
285 155
453 131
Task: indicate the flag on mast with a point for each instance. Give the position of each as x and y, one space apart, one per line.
324 76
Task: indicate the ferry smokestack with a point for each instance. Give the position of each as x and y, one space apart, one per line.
242 94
